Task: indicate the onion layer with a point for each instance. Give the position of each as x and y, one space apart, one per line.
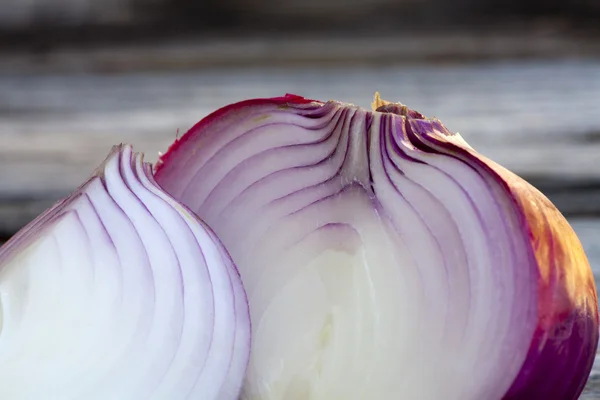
119 292
385 258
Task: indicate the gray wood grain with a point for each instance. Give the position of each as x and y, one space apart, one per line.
285 50
540 119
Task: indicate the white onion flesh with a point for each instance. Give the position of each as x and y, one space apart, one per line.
119 292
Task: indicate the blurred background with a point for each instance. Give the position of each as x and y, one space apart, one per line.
520 79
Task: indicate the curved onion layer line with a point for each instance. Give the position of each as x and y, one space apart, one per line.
223 318
567 321
509 223
120 292
267 167
490 222
382 255
409 193
444 191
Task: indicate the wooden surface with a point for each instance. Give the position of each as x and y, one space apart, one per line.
539 119
280 50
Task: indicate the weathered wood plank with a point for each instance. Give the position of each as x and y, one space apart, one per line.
541 120
292 51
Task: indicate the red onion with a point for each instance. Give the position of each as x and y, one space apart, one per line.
120 292
385 258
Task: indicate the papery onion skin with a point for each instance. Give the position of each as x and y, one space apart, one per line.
558 334
136 297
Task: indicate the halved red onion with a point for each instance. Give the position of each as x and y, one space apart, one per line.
119 292
384 258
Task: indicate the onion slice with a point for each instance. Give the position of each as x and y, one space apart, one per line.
385 258
120 292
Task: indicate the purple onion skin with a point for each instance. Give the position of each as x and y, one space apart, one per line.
563 345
